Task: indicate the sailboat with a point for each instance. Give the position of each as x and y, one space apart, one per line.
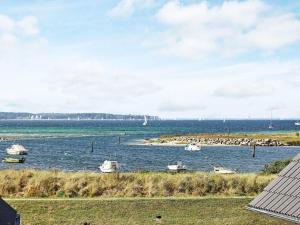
297 123
109 166
270 124
145 121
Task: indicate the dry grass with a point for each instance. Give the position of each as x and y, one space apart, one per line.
35 183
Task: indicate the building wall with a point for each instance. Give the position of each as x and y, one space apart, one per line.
7 214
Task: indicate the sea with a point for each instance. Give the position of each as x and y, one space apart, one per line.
83 145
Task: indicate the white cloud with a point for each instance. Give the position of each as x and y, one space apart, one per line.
275 32
180 106
244 90
127 7
14 31
8 39
198 29
6 24
277 106
29 25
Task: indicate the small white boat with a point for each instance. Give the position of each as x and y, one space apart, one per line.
13 160
109 166
177 167
297 123
270 126
145 121
17 150
192 147
223 170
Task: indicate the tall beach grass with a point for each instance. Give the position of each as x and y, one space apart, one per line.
36 183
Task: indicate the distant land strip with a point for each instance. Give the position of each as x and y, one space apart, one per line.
71 116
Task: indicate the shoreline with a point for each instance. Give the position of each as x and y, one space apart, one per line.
144 142
220 139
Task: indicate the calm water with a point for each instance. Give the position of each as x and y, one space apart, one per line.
66 145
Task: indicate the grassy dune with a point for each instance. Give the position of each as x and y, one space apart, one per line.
35 183
173 211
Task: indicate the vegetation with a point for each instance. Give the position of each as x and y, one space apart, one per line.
173 211
35 183
276 166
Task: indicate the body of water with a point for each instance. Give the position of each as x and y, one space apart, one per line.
66 145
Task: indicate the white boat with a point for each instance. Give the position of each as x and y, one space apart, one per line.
109 166
192 147
297 123
223 170
177 167
17 150
145 121
270 126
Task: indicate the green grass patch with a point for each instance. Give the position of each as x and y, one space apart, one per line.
191 211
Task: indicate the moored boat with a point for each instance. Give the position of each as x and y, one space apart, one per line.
192 147
17 150
177 167
223 170
109 166
13 160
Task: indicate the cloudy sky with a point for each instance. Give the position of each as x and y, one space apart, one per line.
187 59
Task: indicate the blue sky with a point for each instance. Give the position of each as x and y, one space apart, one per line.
187 59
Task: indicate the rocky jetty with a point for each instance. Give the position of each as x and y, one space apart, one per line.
221 141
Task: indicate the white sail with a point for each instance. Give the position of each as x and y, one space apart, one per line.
271 120
145 121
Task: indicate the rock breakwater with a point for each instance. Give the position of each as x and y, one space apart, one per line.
221 141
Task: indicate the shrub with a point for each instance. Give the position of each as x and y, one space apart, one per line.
276 166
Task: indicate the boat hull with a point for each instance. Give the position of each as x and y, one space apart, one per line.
107 170
12 160
222 170
192 148
175 168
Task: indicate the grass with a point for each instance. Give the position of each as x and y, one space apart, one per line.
289 138
36 183
191 211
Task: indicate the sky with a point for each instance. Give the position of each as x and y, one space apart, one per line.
173 59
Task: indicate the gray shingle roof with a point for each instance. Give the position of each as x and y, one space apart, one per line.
281 198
